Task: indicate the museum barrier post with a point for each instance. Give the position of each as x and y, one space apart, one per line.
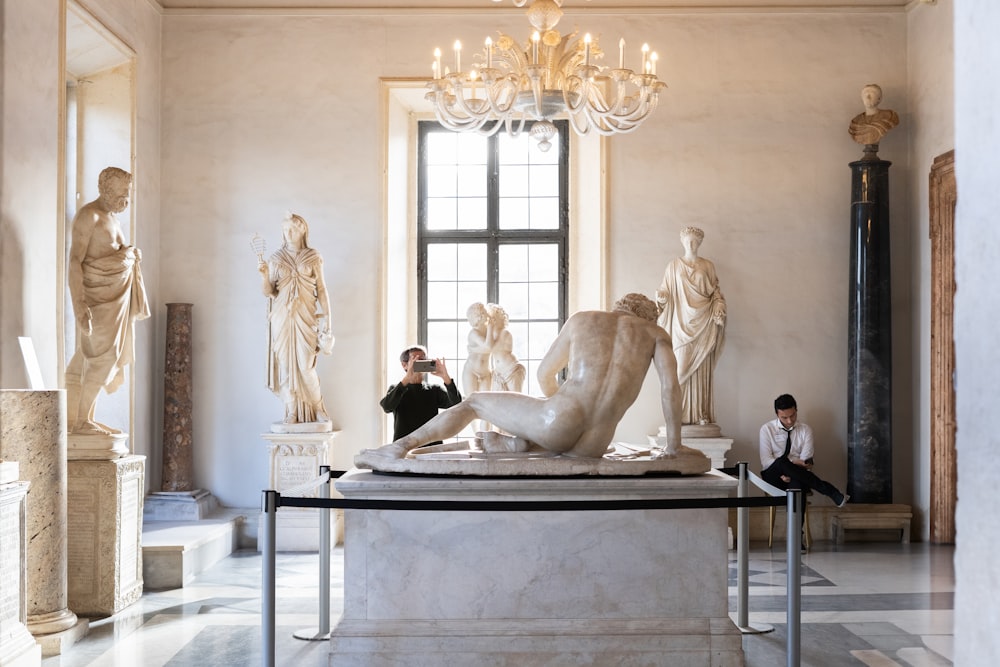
272 501
743 557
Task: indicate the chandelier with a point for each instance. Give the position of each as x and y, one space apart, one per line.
550 75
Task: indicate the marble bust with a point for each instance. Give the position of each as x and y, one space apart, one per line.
868 127
693 311
299 325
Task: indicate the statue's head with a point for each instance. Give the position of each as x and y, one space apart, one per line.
295 225
477 315
692 233
498 315
114 186
871 95
637 304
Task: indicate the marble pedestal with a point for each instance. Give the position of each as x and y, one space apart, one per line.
429 588
17 647
715 448
105 534
294 459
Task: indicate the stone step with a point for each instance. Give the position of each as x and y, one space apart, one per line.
174 552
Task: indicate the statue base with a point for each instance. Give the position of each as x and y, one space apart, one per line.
535 588
302 427
104 533
294 460
96 447
699 437
192 505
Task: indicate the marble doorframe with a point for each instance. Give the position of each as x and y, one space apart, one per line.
943 465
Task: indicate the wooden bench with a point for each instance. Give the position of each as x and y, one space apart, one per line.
872 517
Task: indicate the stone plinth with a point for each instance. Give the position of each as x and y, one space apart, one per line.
535 588
105 534
17 646
294 459
97 447
179 505
33 433
714 448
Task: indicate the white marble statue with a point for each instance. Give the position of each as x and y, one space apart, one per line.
508 372
476 375
693 311
606 355
299 323
870 126
105 285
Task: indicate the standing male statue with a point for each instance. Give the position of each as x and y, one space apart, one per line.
108 296
693 311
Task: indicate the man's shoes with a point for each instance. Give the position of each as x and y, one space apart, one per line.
844 501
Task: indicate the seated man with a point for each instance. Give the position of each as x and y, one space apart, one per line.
606 355
413 401
786 452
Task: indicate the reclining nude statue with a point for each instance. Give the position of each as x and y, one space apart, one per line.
606 355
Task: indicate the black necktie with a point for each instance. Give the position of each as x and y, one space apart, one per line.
788 444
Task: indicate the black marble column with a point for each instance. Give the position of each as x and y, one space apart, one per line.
869 375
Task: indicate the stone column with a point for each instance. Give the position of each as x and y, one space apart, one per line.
869 375
178 430
33 433
17 646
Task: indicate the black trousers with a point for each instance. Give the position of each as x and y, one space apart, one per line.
802 478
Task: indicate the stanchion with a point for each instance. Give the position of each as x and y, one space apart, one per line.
322 633
793 584
267 593
743 560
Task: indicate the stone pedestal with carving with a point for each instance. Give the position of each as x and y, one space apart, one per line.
105 534
17 647
294 459
33 433
604 587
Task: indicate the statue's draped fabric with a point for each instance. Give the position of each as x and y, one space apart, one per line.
294 325
114 292
692 292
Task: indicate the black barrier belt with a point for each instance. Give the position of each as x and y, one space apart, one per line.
529 505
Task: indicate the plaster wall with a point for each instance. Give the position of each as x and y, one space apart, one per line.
261 114
931 127
977 310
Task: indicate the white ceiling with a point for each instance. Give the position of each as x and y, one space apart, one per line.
619 6
89 48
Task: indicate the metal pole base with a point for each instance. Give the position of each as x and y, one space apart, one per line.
756 629
313 635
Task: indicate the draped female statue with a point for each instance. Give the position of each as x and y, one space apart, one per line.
693 311
299 323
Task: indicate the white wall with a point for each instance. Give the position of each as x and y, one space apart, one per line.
267 113
931 126
977 310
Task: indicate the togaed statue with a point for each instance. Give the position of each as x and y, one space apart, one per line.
108 295
693 311
606 356
299 323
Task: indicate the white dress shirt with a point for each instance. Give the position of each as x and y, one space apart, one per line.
772 443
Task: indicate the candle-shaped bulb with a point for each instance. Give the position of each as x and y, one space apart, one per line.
458 56
645 58
621 53
652 60
586 49
437 63
489 52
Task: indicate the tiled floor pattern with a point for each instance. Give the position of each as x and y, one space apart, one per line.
874 604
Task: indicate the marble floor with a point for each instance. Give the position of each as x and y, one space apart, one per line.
874 604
